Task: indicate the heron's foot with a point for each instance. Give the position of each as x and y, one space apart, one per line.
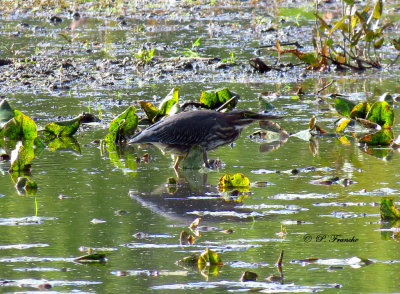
214 164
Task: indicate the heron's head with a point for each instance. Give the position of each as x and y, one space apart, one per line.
242 118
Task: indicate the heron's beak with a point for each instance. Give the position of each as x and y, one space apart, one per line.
261 116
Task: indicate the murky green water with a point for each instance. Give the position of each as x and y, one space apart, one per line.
87 200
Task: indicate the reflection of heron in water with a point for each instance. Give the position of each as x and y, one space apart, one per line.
189 199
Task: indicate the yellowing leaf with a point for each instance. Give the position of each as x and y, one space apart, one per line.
360 110
234 181
342 125
170 100
209 258
338 24
382 114
149 108
378 9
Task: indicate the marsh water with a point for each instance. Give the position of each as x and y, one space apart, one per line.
317 199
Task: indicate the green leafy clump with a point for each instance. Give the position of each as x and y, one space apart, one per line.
123 126
389 210
213 99
360 29
376 116
145 55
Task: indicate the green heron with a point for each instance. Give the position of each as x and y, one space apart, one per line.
208 129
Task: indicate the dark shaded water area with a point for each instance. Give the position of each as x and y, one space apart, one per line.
88 198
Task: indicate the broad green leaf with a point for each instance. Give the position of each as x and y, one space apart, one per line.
20 127
22 156
360 110
382 114
388 209
213 99
344 106
170 100
6 112
378 9
208 258
149 108
63 128
381 138
342 125
123 126
349 2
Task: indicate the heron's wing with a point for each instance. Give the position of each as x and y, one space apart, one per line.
188 129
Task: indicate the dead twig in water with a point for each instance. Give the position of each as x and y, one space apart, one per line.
324 87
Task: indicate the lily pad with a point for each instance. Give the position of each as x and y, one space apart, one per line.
123 126
149 108
237 180
360 110
168 102
343 123
388 209
20 126
382 114
209 258
22 156
344 106
63 128
215 98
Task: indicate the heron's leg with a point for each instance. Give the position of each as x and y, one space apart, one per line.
205 158
178 160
